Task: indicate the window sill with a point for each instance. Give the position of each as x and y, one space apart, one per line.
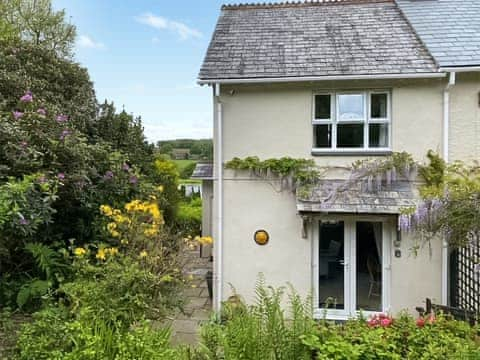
352 152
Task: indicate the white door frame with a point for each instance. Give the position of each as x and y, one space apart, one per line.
350 274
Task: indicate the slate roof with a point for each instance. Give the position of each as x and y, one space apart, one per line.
203 171
449 28
357 200
327 38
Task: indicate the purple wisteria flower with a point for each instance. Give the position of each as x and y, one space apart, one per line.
17 114
108 175
64 134
42 112
28 97
62 118
404 222
133 179
61 176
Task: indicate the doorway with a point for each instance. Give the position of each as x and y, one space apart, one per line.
351 266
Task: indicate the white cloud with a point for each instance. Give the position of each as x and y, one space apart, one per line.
87 42
162 23
163 130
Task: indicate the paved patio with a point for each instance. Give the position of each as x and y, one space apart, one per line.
198 307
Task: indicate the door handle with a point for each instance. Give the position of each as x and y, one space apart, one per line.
343 262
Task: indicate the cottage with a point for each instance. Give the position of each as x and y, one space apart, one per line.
336 81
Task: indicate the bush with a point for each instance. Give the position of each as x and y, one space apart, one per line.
189 216
261 331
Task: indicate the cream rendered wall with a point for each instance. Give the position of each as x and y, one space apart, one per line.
274 121
465 117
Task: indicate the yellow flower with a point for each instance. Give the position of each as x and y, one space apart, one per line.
143 254
101 255
160 188
117 212
106 210
112 251
115 233
124 241
150 232
207 240
79 252
111 227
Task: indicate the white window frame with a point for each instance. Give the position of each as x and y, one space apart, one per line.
366 121
350 269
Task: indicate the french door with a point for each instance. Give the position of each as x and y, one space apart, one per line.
351 265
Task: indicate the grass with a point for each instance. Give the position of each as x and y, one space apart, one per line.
182 164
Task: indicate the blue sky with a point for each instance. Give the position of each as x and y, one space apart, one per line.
146 54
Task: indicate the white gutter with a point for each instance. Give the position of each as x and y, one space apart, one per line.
219 240
460 69
446 125
320 78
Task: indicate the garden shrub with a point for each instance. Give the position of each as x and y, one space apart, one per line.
261 331
189 216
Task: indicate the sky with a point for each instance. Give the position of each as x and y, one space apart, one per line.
145 55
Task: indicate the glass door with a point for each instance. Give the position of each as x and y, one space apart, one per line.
333 276
352 255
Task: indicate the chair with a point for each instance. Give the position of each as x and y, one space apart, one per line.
375 277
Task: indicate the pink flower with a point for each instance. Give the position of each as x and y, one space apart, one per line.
62 118
28 97
125 167
420 322
133 179
24 144
385 322
372 322
42 112
64 134
17 114
108 175
61 176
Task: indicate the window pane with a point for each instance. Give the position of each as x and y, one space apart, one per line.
323 136
378 135
322 107
349 135
378 106
351 107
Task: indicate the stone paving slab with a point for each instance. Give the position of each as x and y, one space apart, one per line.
198 307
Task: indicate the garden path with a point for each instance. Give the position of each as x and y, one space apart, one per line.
185 325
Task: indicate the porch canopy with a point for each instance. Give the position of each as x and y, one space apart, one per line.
338 196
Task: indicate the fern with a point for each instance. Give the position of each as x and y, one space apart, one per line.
50 264
47 259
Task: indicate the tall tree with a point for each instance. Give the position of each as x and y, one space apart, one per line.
37 22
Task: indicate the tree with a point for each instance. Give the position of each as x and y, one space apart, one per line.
124 133
38 23
58 83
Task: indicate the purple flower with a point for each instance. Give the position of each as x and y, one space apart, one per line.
42 112
62 118
64 134
28 97
61 176
108 175
42 179
404 222
125 167
23 144
17 114
133 179
23 221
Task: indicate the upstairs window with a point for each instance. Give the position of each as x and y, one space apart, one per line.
352 121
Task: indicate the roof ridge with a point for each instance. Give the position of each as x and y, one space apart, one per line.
298 3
